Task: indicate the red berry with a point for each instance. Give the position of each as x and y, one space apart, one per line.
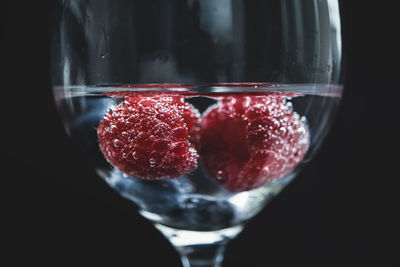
150 137
246 142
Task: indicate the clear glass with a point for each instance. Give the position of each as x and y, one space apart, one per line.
197 111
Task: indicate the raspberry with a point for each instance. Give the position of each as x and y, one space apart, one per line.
248 141
150 137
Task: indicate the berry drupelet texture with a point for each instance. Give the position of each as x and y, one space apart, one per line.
150 137
246 142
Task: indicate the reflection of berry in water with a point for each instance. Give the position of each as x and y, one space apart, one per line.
150 137
246 142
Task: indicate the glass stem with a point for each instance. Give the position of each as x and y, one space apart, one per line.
200 248
207 255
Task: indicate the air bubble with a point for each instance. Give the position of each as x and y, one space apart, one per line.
276 123
219 175
152 162
190 203
113 128
117 143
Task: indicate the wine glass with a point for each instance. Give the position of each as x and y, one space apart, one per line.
197 111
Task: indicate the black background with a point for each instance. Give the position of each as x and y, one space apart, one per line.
343 209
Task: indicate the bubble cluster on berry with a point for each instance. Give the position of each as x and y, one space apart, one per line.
246 142
150 137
